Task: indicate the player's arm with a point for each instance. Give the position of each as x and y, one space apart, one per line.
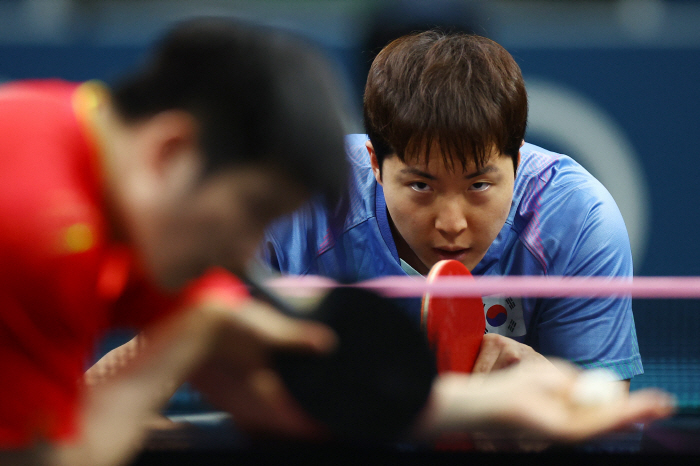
498 352
210 341
594 332
114 361
118 359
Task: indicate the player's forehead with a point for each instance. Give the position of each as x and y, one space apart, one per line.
449 161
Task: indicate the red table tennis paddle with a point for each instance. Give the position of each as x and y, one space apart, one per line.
454 325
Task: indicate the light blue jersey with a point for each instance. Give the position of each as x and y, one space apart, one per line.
562 222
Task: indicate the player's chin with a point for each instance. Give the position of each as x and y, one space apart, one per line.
468 258
174 278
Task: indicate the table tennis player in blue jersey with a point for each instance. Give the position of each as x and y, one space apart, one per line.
444 173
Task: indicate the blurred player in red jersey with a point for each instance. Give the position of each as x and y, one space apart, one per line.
112 201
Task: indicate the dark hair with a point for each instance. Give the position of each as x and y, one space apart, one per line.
259 94
463 92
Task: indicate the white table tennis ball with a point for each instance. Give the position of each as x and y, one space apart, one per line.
596 387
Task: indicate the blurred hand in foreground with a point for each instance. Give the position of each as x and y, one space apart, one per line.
534 401
226 353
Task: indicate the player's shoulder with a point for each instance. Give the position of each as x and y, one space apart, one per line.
536 161
558 202
358 200
50 210
306 233
32 108
550 178
46 92
291 240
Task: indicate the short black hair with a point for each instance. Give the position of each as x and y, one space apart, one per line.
462 91
260 95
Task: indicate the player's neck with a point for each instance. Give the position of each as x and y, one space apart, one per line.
404 250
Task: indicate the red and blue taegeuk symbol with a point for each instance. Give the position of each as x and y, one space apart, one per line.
496 315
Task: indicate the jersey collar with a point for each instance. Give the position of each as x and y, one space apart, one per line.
383 222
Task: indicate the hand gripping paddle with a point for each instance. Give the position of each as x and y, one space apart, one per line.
454 325
373 386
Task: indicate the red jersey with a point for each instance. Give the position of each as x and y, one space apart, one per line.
62 280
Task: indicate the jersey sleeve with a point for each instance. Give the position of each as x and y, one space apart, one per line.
143 305
592 332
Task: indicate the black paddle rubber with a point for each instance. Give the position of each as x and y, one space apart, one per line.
377 380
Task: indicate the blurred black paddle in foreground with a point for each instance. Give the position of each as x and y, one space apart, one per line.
372 387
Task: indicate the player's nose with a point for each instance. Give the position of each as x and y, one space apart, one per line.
451 218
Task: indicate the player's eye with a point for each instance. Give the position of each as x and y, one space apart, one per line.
480 186
420 187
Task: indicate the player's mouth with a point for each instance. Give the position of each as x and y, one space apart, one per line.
454 254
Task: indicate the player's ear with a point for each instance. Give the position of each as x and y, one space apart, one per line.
176 157
376 169
522 143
